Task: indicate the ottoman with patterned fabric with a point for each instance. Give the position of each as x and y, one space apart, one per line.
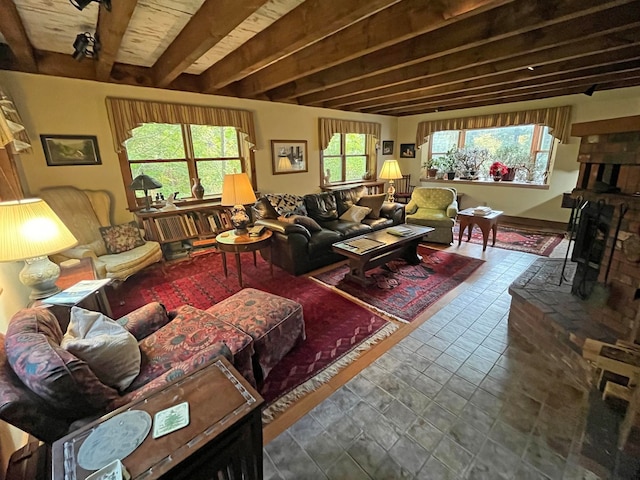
275 323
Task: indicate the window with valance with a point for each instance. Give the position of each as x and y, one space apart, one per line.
180 142
348 150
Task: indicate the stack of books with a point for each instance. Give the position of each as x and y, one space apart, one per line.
482 211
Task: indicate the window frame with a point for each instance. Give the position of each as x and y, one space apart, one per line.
343 157
190 160
534 150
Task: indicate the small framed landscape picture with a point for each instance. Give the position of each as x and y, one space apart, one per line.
407 150
387 147
289 156
71 150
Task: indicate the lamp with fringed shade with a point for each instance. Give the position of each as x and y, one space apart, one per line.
30 231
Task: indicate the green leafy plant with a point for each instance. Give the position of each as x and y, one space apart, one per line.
471 158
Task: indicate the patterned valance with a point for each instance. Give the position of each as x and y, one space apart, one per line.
126 114
330 126
556 118
11 128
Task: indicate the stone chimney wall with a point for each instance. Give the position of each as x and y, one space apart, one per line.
609 159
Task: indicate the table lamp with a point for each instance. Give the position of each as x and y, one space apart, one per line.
145 183
238 192
29 231
390 171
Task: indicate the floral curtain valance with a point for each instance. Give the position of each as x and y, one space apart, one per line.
330 126
126 114
556 118
12 130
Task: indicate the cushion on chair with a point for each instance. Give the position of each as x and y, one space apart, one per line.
109 349
436 198
58 377
121 238
431 217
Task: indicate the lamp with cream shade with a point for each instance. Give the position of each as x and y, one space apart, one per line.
30 231
390 171
238 192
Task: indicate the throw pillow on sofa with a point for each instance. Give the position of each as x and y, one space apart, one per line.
355 214
374 202
121 238
303 220
109 349
263 210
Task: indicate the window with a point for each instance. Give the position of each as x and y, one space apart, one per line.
528 145
346 158
174 154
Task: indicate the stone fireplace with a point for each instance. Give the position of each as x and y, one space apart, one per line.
607 242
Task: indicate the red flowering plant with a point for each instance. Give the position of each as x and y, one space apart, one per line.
498 168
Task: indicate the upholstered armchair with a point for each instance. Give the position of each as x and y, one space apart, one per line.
87 213
434 207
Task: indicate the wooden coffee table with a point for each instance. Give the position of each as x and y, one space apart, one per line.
379 247
485 222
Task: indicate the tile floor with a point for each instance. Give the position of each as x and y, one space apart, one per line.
461 397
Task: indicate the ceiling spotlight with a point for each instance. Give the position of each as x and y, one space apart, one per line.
81 46
530 68
80 4
589 91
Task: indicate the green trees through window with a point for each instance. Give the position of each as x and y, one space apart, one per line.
346 158
175 154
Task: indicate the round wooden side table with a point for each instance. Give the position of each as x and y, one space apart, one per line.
229 242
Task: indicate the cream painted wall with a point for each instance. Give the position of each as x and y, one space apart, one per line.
52 105
523 202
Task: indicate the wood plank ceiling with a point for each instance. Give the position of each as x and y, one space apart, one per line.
393 57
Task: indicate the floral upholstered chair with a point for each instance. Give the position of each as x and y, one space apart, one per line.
434 207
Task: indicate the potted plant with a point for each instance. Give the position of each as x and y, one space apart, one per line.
470 159
431 167
497 170
446 163
514 158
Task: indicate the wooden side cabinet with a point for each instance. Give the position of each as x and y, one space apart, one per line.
223 439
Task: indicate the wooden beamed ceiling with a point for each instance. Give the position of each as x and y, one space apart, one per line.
392 57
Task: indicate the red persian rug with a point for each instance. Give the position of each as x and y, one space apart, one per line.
404 291
509 238
338 330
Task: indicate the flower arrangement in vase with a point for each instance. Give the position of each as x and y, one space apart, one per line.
497 170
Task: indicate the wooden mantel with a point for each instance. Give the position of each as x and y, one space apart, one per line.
603 127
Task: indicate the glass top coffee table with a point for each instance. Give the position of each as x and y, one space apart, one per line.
377 248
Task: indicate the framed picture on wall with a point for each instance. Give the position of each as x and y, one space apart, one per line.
387 147
60 150
407 150
289 156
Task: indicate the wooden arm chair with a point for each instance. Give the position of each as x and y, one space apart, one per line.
403 189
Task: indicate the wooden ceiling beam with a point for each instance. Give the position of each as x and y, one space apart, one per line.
209 25
373 33
16 37
63 65
471 90
111 28
538 44
305 24
509 21
551 56
444 84
505 95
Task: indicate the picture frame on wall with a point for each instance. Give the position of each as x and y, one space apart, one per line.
64 150
289 156
407 150
387 147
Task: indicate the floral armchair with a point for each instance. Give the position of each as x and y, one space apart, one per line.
434 207
46 391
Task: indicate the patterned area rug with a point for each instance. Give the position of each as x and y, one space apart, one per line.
404 291
509 238
338 330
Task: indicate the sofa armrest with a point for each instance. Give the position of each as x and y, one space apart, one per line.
389 209
411 208
452 209
75 252
145 320
284 228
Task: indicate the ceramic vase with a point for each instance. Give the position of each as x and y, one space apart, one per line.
197 189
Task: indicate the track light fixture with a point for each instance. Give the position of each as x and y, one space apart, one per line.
80 4
81 46
590 91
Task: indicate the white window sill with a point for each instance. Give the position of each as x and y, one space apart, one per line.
491 183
